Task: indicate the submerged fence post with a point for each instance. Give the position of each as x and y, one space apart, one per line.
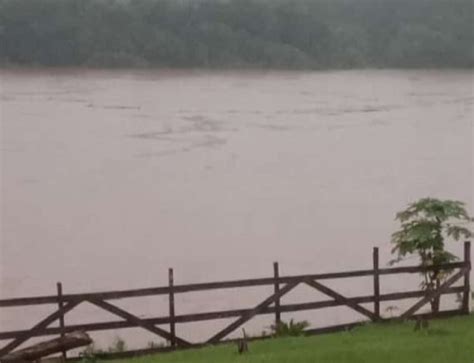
59 288
171 306
375 258
467 281
276 275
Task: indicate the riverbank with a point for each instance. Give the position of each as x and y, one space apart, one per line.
448 340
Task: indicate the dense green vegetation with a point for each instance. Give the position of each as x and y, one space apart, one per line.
238 33
444 341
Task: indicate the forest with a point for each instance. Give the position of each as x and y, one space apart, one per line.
292 34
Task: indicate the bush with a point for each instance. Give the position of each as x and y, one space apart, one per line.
291 329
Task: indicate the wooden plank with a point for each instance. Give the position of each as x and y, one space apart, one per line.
440 315
276 289
433 294
417 269
25 301
121 294
266 281
249 315
414 294
375 259
224 314
340 298
137 321
43 349
467 282
38 327
108 295
134 353
171 308
59 288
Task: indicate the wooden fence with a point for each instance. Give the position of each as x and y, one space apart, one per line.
282 285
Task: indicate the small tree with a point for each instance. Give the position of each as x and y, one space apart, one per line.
425 226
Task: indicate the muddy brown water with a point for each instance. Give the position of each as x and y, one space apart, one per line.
110 177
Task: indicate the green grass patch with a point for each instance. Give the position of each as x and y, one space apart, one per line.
445 341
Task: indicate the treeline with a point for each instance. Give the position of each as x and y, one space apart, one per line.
238 33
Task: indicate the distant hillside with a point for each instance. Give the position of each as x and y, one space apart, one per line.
238 33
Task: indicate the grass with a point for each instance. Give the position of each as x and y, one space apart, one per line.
446 341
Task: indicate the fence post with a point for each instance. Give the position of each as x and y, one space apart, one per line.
59 288
375 258
276 274
467 282
171 306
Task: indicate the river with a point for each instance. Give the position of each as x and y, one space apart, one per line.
111 177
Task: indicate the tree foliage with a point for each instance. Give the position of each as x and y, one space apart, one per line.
426 225
230 33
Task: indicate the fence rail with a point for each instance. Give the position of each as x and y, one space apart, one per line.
282 285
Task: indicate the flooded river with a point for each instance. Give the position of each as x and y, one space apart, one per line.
111 177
